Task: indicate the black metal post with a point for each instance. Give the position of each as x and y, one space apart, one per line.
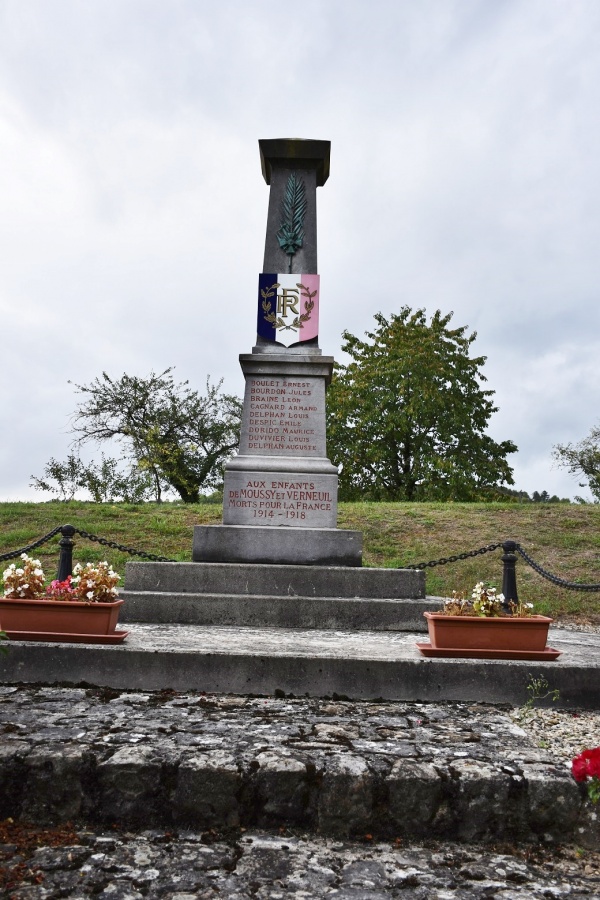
509 574
65 561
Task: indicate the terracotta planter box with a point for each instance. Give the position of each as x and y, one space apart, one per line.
477 633
59 616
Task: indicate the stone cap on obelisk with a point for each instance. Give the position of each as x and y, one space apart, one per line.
295 152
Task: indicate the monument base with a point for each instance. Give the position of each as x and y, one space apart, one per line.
283 545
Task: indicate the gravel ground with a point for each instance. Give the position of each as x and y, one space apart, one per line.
562 733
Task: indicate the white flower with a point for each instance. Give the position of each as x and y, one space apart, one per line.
38 572
90 595
20 572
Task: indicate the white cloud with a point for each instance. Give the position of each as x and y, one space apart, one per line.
464 176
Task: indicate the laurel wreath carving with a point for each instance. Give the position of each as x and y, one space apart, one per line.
277 321
291 231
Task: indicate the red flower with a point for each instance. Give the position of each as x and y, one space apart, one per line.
586 765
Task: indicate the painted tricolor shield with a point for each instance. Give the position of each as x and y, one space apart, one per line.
288 308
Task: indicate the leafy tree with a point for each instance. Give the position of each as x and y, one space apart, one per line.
512 495
108 482
406 416
582 460
544 497
178 437
62 479
105 483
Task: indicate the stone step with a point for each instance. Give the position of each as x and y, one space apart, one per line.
276 580
356 664
385 770
269 610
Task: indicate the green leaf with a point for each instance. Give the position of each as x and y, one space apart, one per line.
291 231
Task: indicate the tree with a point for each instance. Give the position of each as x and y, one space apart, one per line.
582 459
406 416
63 479
512 495
544 497
168 430
107 482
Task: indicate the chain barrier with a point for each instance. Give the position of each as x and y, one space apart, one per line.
451 559
14 554
114 546
444 560
514 548
570 585
43 540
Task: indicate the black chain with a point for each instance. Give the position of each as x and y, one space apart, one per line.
570 585
114 546
444 560
451 559
43 540
91 537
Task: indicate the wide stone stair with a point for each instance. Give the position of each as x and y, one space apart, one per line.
268 596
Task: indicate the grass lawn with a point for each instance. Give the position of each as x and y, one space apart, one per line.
563 538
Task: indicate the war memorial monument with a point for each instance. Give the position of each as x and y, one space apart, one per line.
280 492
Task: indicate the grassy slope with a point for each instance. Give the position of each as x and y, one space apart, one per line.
564 539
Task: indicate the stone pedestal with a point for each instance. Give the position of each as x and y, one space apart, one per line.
281 475
280 492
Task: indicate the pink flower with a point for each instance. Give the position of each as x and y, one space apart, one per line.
60 589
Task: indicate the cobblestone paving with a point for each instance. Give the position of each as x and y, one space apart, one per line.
258 864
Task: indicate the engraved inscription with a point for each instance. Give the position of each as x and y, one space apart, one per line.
279 498
280 416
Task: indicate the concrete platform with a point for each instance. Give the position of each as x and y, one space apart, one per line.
359 665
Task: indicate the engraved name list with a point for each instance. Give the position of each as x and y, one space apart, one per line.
280 416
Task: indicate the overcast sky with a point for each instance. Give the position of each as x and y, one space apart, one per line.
464 177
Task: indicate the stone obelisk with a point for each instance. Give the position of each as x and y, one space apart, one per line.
280 491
